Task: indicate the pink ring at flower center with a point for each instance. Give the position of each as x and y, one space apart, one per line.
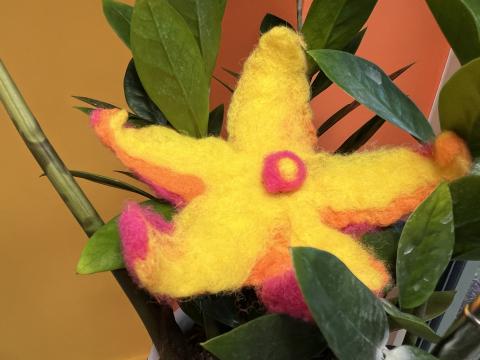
283 171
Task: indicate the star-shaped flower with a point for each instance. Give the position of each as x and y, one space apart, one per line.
245 201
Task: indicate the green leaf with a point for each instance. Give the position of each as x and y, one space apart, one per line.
85 110
127 173
218 307
459 22
334 296
406 352
104 180
384 244
215 121
370 86
96 103
204 18
132 118
270 21
170 65
361 136
230 309
466 215
322 82
225 85
235 74
354 44
103 251
409 322
437 304
425 248
268 337
458 105
137 98
333 24
119 16
347 109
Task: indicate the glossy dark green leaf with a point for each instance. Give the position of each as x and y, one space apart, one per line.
218 307
268 337
215 121
133 119
425 248
354 44
437 304
235 74
119 16
170 65
204 18
230 310
85 110
411 323
127 173
96 103
347 109
270 21
466 214
406 352
384 244
370 86
224 84
104 180
137 98
334 296
322 82
361 136
458 105
459 25
103 252
333 24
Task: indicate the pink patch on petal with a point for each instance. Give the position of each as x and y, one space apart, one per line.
133 227
282 294
274 181
425 150
95 117
359 229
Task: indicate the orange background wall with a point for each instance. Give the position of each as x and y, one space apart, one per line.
55 49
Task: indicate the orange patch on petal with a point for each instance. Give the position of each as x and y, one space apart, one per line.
380 217
452 155
384 277
185 185
274 262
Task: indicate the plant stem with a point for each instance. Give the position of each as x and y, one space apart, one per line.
158 319
299 15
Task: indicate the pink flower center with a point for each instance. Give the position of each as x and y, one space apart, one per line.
283 171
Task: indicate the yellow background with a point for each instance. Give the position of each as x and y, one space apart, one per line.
55 49
58 48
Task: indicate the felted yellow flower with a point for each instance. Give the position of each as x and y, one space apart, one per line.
243 202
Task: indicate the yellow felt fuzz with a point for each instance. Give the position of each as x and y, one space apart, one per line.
246 200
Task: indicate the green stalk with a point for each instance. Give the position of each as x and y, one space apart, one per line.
299 15
158 319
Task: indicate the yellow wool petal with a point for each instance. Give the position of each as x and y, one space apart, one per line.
370 179
309 231
215 243
177 167
270 108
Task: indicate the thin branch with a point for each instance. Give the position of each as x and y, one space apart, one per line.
299 15
158 319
